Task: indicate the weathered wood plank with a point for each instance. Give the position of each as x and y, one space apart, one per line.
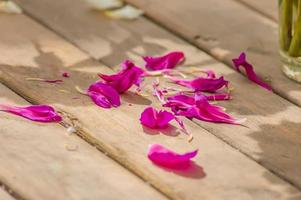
224 29
5 196
273 134
266 7
41 161
44 55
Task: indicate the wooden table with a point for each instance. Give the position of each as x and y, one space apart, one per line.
106 158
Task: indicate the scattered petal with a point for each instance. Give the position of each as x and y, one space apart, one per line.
199 108
128 75
154 119
104 95
126 12
165 157
241 61
167 61
10 7
218 97
105 4
157 92
202 84
181 124
66 74
39 113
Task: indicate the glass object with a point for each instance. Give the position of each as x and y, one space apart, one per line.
290 37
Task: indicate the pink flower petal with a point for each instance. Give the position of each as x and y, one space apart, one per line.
202 84
163 156
104 95
199 108
241 61
66 74
40 113
154 119
167 61
124 79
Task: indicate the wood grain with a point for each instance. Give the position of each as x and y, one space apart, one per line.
272 137
224 29
267 7
36 156
117 131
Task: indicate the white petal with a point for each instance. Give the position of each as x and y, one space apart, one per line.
126 12
10 7
105 4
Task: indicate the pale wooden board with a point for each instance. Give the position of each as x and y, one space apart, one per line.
270 118
5 196
36 163
224 29
117 131
265 7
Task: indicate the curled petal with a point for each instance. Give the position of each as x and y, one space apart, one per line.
163 156
154 119
167 61
242 62
203 84
104 95
128 75
40 113
199 108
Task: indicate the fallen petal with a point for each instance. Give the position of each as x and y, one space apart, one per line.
126 12
242 62
124 79
167 61
163 156
104 95
154 119
66 74
202 84
40 113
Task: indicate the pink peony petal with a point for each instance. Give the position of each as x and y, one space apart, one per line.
40 113
241 61
163 156
66 74
154 119
203 84
167 61
199 108
104 95
128 75
218 97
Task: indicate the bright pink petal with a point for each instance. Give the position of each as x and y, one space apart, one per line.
167 61
40 113
242 62
163 156
163 118
104 95
203 84
128 75
148 118
218 97
199 108
154 119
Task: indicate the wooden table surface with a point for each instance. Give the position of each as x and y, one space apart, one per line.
106 158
